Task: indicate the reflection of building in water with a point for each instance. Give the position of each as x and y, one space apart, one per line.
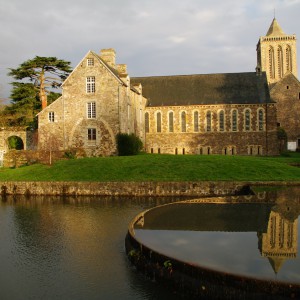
272 215
280 241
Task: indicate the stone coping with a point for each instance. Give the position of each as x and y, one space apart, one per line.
194 281
146 188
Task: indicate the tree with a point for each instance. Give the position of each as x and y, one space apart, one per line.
40 76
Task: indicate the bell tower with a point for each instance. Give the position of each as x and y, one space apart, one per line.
276 54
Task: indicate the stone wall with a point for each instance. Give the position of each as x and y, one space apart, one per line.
287 95
117 108
191 189
227 141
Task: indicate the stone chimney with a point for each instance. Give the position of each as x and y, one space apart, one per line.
109 56
122 69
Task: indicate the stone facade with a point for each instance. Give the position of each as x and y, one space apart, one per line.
277 56
229 114
97 103
225 140
286 93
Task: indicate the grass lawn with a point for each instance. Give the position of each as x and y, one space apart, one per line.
151 167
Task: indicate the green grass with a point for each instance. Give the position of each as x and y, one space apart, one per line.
161 168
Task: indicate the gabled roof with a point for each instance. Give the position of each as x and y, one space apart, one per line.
230 88
275 29
113 71
286 79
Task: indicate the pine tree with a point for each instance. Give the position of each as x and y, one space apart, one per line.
36 80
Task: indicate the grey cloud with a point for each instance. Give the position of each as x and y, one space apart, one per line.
153 37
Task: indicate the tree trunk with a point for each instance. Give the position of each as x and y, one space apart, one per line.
43 95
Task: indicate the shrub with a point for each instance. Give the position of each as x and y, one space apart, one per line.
128 144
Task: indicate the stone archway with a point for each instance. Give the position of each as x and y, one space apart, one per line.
14 142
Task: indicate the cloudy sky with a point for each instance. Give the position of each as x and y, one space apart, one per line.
153 37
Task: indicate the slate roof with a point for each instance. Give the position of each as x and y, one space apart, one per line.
230 88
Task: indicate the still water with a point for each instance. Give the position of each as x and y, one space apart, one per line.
53 248
250 236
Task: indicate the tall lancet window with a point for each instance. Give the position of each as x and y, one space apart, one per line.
288 57
280 62
271 63
147 122
183 121
158 122
208 121
171 121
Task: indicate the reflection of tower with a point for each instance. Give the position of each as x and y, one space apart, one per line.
280 241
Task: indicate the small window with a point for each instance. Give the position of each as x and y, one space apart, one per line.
90 62
51 116
90 85
92 134
299 96
91 110
287 87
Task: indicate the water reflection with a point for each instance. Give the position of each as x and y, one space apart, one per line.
253 235
72 248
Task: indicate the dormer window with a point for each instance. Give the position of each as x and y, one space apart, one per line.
90 62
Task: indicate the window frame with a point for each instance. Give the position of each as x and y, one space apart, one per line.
90 62
171 121
183 121
247 119
234 120
91 110
51 116
158 121
92 134
90 85
196 120
221 122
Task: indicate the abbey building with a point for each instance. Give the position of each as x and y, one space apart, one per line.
234 113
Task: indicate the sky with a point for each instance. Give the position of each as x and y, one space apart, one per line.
153 37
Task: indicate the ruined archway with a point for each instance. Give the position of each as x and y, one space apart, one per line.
14 142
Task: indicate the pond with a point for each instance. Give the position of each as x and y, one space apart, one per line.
251 239
73 248
54 248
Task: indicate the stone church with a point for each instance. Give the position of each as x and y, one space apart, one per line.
234 113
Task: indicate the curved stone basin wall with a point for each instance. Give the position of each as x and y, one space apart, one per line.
195 281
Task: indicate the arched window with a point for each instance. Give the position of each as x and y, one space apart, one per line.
234 120
196 121
171 121
288 57
260 119
247 120
280 62
183 121
221 120
158 122
208 121
271 63
146 122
